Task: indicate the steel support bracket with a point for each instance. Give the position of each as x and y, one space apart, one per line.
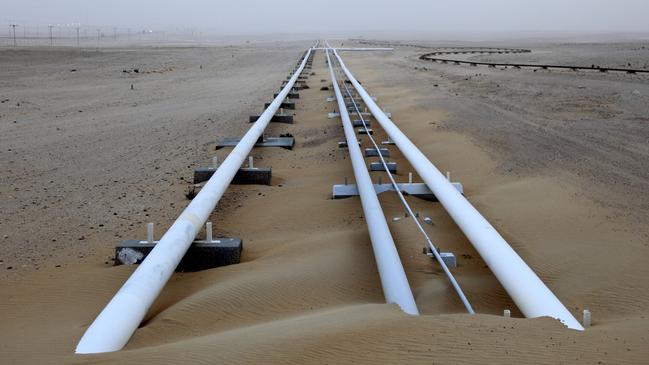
418 190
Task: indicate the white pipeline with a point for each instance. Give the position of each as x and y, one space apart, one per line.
393 278
530 294
413 216
115 325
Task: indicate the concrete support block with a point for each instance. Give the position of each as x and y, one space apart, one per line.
202 255
291 95
378 166
286 105
371 152
245 175
297 85
359 123
343 144
277 118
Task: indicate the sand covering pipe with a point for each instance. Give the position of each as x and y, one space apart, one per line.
531 295
393 278
115 325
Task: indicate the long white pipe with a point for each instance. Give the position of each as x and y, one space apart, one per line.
530 294
393 278
115 325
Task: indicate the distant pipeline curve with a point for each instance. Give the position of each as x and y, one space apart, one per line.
431 57
493 50
411 45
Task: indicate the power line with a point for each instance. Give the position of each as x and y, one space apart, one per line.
13 26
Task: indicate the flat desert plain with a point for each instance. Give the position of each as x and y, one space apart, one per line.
557 161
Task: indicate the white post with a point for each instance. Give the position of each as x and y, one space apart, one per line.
215 162
250 162
149 232
586 319
208 232
507 313
410 178
448 176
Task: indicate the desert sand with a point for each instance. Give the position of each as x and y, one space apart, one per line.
556 161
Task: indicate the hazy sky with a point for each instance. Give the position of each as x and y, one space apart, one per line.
352 17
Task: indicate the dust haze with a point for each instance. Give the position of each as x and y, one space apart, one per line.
439 19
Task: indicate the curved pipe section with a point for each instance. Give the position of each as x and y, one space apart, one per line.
393 278
115 325
530 294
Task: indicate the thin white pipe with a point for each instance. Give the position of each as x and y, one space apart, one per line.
530 294
115 325
412 214
393 278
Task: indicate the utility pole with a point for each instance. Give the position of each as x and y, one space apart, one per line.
13 26
51 40
77 27
98 34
